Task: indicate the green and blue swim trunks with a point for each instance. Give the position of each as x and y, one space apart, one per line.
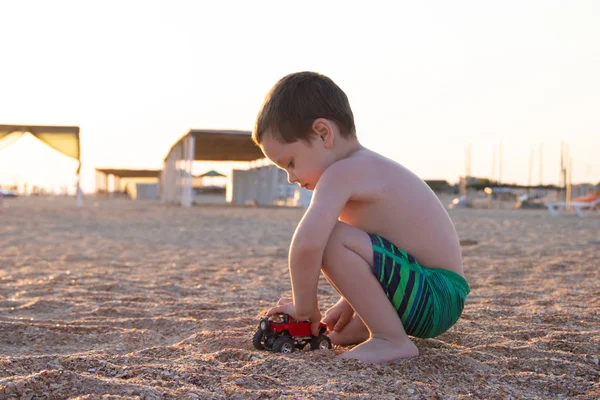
428 300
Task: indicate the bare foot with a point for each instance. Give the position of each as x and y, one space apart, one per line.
354 332
378 351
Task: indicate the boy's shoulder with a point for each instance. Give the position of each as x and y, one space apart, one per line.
347 168
365 174
355 173
359 163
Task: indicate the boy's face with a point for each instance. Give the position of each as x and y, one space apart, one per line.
304 162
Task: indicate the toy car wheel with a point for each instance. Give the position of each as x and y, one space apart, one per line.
263 325
320 342
259 339
284 345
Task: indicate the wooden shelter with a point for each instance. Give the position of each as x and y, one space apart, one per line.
202 145
105 175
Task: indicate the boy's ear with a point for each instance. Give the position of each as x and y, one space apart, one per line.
323 129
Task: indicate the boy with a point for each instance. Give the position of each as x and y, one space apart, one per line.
369 221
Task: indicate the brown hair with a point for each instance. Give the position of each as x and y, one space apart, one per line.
296 101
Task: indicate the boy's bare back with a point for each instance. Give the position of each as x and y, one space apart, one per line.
389 200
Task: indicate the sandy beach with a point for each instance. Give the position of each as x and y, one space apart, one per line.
130 300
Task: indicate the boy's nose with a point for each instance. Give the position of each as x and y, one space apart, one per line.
292 178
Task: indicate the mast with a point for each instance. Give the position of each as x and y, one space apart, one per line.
500 166
530 178
541 166
493 165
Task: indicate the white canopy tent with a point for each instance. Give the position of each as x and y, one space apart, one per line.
202 145
64 139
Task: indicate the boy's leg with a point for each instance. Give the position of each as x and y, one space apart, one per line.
348 263
354 332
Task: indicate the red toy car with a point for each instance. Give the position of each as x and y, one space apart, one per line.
282 334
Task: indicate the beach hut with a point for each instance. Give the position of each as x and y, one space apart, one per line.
138 184
259 185
202 145
265 185
64 139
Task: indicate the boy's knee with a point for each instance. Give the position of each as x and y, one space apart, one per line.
335 244
346 238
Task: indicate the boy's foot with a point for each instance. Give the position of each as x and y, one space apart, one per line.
354 332
378 351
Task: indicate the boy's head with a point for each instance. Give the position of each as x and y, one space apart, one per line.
296 101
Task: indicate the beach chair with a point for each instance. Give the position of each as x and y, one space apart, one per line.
582 208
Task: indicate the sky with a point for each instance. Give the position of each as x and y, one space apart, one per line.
425 80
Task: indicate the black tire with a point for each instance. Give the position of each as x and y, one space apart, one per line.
284 344
259 339
320 342
264 324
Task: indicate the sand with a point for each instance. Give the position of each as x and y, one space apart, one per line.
128 300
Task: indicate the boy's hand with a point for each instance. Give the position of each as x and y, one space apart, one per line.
338 316
285 305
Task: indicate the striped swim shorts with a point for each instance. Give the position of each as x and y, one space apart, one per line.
428 300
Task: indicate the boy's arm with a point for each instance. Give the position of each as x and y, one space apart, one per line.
312 234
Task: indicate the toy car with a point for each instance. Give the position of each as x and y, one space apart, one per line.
282 334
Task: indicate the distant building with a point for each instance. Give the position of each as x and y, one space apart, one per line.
583 188
440 186
501 193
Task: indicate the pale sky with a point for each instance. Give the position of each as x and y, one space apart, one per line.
424 79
